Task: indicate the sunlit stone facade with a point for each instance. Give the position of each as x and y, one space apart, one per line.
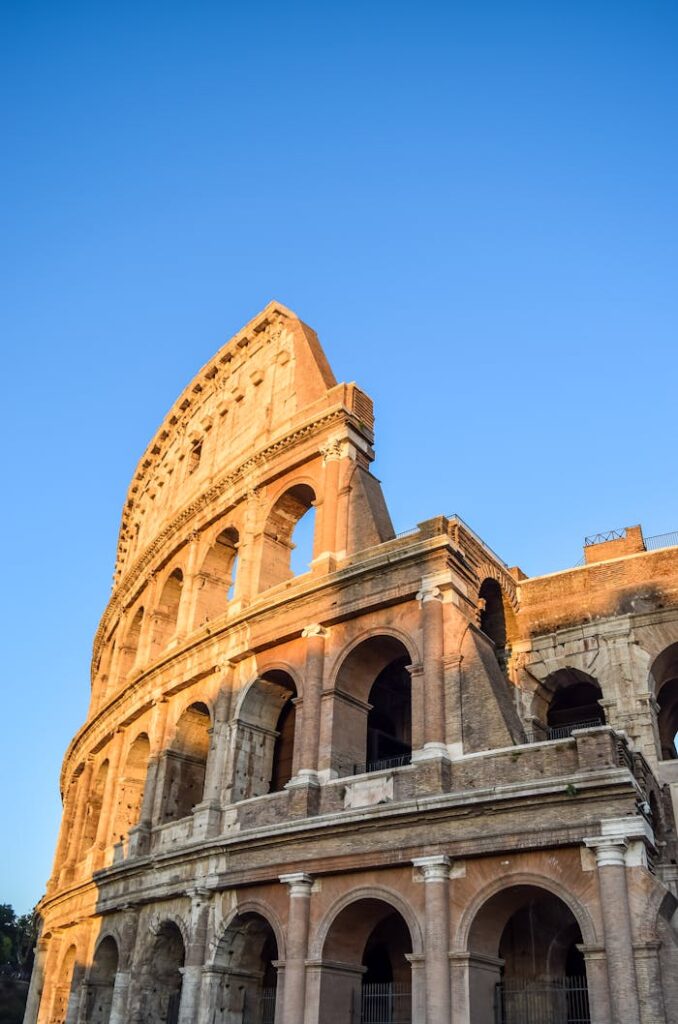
406 786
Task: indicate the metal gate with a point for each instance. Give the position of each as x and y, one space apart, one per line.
260 1010
558 1001
387 1003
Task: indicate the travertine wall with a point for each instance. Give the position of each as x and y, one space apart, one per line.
217 864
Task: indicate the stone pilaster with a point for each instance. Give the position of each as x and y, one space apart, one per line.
610 859
75 844
315 636
37 983
430 599
195 956
297 946
436 873
104 826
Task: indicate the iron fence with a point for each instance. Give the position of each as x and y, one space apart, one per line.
562 732
259 1010
383 764
661 540
558 1001
385 1003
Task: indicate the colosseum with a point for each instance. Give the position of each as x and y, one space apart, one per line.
405 784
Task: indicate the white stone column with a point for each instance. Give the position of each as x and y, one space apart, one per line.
436 873
297 946
614 899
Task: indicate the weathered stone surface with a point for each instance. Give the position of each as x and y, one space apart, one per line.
410 766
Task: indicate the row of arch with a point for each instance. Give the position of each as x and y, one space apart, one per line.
374 732
521 936
287 549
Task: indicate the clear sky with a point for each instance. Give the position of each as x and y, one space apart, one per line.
473 203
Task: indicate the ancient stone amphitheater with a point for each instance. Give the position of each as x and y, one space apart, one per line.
405 785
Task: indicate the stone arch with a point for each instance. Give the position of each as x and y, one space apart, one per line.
166 613
130 645
245 963
216 578
529 879
663 684
94 805
497 619
101 980
366 944
64 986
184 764
131 786
566 699
262 751
372 705
292 504
368 892
159 992
524 936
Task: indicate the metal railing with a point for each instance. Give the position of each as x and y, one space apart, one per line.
562 732
383 764
662 540
387 1003
558 1001
600 538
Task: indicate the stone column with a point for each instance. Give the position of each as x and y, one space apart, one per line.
297 946
614 901
150 600
112 788
436 872
79 817
216 760
595 960
454 723
37 983
431 598
650 990
315 636
121 985
195 957
189 595
139 834
331 455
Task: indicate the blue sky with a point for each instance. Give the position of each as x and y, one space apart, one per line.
474 204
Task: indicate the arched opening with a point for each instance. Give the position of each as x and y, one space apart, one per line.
166 614
245 963
216 580
263 752
184 764
389 720
277 545
571 700
372 729
160 991
367 977
664 679
131 787
130 645
101 981
64 992
525 964
497 620
94 805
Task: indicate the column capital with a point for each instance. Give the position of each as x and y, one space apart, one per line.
299 882
609 850
315 629
435 868
429 592
332 450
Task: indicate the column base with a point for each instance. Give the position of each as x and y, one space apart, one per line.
206 820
